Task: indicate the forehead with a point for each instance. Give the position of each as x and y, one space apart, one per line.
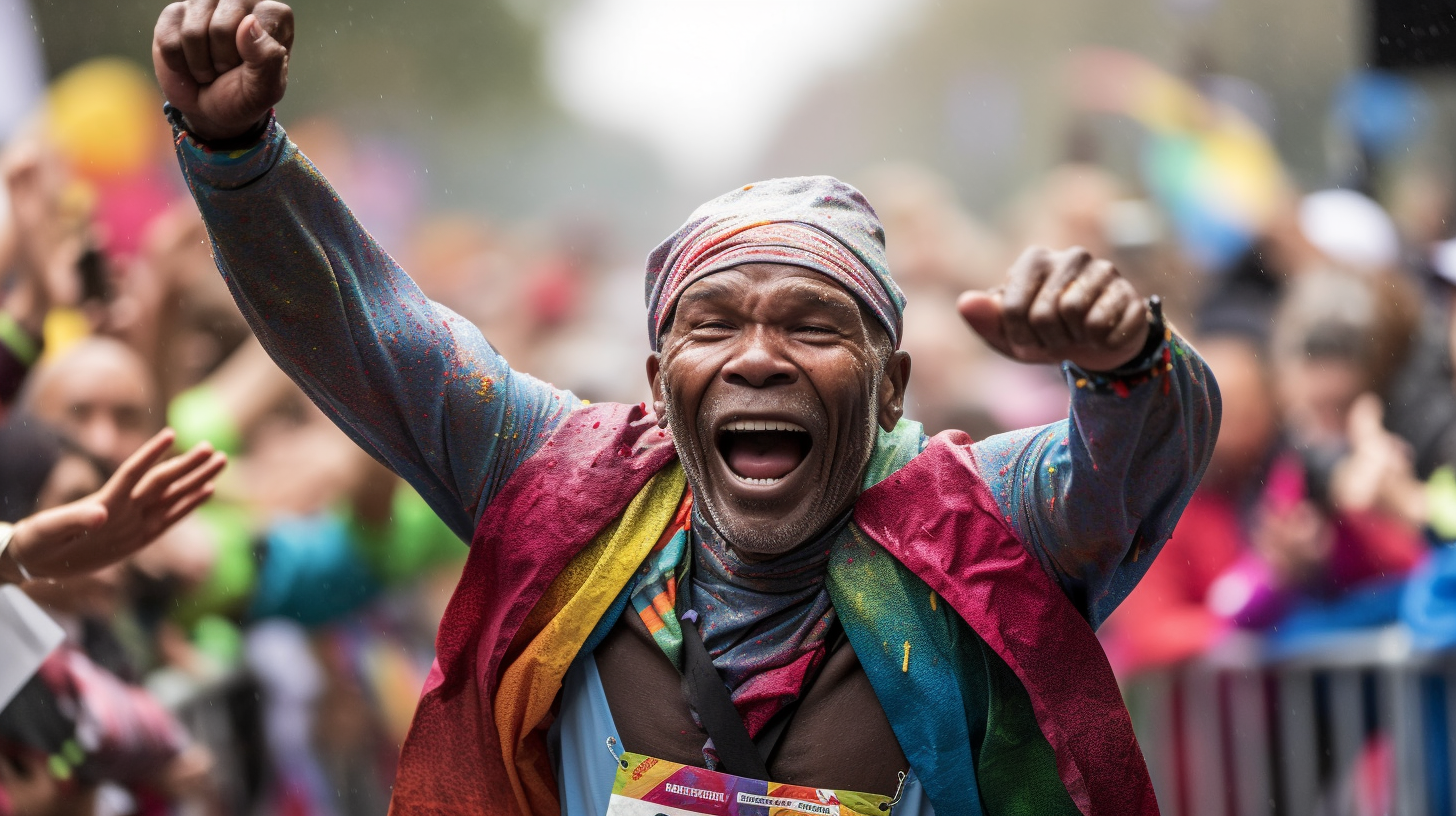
767 284
98 376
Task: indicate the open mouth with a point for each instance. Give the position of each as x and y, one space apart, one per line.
763 452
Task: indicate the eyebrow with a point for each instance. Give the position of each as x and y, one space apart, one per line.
708 289
704 289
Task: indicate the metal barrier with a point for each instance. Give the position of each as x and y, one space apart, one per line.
1357 723
222 714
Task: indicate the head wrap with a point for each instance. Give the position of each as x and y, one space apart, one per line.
814 222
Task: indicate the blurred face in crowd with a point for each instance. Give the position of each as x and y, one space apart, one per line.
773 379
1315 395
99 395
1249 422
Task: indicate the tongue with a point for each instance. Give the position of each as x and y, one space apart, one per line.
764 454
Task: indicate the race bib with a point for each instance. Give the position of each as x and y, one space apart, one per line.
655 787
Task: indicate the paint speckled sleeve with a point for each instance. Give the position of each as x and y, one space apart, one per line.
1095 496
407 379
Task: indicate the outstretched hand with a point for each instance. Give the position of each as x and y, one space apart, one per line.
223 63
1057 306
137 504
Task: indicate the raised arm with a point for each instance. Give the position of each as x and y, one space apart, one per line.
407 379
1095 496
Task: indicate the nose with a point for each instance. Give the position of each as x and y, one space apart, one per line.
102 439
758 363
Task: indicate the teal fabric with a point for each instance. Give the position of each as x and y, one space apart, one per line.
313 573
962 717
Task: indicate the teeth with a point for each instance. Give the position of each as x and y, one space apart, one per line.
758 481
762 425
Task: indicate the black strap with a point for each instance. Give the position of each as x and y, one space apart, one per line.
705 691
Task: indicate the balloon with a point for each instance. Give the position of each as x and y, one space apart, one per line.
104 117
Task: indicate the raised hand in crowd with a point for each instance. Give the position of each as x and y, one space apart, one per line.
1379 471
48 240
224 65
142 499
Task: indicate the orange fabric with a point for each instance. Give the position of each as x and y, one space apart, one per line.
559 625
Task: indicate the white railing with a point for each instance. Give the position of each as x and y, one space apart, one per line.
1237 733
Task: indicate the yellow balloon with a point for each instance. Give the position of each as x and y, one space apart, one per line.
105 116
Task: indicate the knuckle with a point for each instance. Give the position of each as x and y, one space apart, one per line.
1100 272
1015 305
194 28
1074 302
1043 317
1033 257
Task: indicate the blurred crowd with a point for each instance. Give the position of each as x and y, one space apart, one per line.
264 655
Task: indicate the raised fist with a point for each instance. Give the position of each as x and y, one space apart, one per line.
1057 306
223 63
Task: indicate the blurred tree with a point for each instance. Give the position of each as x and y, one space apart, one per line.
455 60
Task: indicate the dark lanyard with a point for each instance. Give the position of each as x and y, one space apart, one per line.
708 695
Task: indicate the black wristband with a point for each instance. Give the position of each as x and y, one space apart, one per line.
1154 360
1157 335
251 138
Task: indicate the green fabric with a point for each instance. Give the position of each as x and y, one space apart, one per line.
229 586
219 639
198 415
1441 501
412 542
18 340
959 712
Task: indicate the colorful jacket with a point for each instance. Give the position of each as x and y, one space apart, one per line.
934 567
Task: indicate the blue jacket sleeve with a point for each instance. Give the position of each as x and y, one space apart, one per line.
407 379
1095 496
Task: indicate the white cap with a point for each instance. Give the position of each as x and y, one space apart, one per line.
1350 229
1443 260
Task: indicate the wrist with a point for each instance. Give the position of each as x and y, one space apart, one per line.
1147 356
11 570
203 137
1153 359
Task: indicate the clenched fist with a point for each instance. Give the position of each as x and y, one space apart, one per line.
1058 306
223 63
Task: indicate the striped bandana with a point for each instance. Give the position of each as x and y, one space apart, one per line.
814 222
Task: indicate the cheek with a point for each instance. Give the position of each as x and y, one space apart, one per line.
843 380
685 377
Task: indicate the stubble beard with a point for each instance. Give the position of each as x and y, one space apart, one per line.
762 538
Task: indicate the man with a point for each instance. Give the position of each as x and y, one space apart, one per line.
866 601
127 734
99 394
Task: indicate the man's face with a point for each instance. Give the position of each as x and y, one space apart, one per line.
101 398
1316 395
773 379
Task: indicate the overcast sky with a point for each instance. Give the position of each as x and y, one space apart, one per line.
705 83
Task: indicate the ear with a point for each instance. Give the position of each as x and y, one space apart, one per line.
892 389
654 379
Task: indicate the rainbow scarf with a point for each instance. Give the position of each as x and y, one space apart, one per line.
764 624
994 685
